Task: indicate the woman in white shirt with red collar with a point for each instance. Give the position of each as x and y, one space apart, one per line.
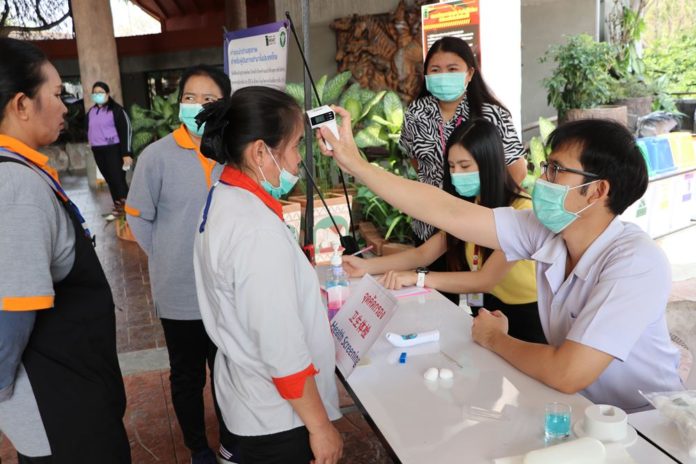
259 296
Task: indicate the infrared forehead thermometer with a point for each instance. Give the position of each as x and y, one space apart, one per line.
323 116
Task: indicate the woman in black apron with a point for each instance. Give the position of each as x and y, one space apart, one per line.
70 354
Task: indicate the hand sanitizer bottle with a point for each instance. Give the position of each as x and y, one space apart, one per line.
337 283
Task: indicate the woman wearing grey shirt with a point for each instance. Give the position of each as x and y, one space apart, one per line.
169 187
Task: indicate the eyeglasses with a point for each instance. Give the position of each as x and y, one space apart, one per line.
553 168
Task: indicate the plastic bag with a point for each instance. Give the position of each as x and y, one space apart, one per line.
656 123
680 407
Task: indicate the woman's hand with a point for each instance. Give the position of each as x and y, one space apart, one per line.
345 151
354 266
487 326
326 444
394 280
127 162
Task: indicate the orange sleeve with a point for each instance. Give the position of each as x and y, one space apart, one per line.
132 211
291 387
27 303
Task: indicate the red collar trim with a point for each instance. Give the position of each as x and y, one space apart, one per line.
237 178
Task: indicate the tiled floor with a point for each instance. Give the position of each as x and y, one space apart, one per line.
154 434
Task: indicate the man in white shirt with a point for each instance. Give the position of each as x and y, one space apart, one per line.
602 284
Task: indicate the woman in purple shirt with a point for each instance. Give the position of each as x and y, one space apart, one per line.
109 134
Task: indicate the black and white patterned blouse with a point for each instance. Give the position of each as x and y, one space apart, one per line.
422 136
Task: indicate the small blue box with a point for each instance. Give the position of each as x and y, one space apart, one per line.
659 154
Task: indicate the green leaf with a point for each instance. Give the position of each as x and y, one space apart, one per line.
545 128
366 95
167 111
140 123
296 91
334 87
351 92
141 140
393 109
158 103
369 137
537 154
320 89
354 107
393 224
163 132
376 98
391 127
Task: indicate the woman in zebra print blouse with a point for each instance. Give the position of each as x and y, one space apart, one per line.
453 92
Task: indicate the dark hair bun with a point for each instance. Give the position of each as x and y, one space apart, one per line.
214 115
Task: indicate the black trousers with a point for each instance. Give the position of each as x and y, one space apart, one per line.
190 349
523 319
110 164
289 447
21 459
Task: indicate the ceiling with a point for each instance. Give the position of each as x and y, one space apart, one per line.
168 9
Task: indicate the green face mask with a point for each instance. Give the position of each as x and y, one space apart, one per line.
467 184
446 87
286 180
548 201
99 98
187 115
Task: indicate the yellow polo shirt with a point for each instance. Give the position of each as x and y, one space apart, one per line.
519 284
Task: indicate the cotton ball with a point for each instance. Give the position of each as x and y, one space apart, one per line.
431 374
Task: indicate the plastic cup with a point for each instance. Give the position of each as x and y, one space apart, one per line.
557 421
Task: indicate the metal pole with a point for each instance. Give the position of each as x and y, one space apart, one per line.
309 136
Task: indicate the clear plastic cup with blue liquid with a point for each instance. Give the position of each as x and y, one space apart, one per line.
557 421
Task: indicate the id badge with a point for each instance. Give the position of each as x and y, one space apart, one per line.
474 299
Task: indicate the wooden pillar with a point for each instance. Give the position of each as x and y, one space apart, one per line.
96 46
235 14
96 54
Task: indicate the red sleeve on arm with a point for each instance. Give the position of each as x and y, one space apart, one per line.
291 386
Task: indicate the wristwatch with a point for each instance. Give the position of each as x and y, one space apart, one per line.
420 272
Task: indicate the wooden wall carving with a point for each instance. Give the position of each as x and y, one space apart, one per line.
383 51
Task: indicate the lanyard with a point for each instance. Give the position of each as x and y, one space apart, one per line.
56 187
442 132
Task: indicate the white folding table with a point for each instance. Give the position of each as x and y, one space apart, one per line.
423 422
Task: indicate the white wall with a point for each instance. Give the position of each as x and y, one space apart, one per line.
501 60
545 22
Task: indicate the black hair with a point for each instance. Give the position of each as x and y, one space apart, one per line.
608 150
20 70
482 139
218 76
110 103
477 92
252 113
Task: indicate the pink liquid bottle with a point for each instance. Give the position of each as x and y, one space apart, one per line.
337 284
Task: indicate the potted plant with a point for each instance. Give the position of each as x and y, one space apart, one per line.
635 94
625 27
151 124
580 84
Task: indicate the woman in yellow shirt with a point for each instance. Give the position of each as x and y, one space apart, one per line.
476 171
